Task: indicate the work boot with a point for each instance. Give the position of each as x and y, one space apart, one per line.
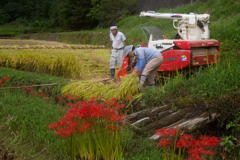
112 73
141 83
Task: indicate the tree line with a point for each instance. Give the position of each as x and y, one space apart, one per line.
64 15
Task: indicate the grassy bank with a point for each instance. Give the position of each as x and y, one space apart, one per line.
24 125
207 83
25 118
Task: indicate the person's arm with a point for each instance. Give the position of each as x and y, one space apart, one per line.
139 53
140 64
111 47
126 42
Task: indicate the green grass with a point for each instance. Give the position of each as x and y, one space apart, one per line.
11 30
25 120
139 148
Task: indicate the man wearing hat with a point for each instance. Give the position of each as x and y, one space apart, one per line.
152 58
117 38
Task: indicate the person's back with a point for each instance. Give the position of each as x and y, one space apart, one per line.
146 53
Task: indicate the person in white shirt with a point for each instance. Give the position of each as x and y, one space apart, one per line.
117 55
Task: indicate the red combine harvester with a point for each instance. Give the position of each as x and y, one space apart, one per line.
190 48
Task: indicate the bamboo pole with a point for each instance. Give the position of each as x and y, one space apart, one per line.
41 85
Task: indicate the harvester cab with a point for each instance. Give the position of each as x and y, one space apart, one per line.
190 48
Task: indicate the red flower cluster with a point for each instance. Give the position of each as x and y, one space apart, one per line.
3 81
29 90
195 148
66 98
84 115
166 132
129 97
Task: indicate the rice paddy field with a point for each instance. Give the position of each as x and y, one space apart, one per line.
65 62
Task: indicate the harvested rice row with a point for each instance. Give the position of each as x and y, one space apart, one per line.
69 63
128 86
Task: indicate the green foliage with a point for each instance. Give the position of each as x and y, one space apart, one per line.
149 99
227 143
11 12
72 14
110 12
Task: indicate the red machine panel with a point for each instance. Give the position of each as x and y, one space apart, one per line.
123 71
203 43
175 60
182 44
204 60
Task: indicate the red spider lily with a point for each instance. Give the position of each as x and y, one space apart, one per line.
69 104
166 132
100 97
59 98
29 89
69 98
186 137
224 156
77 97
23 87
122 105
114 99
42 94
85 112
6 78
164 142
93 99
32 92
129 97
53 126
1 80
45 98
72 95
36 95
214 141
194 143
65 96
3 84
64 133
86 126
209 152
182 144
209 141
